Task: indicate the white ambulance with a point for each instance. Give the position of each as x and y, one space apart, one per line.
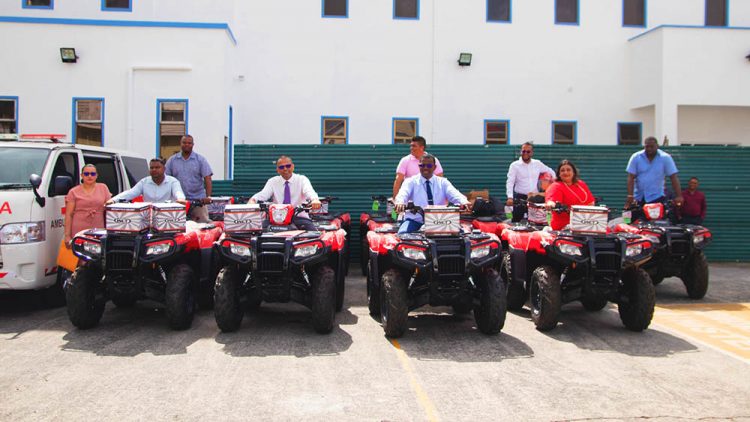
36 172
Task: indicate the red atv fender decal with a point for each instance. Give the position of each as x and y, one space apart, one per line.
335 240
363 218
623 228
382 242
372 225
528 241
346 218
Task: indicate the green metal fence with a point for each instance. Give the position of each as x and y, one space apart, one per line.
355 172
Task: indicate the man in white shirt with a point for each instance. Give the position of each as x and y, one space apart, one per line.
423 190
523 175
289 188
158 187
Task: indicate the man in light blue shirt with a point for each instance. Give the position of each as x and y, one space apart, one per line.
423 190
194 174
646 172
156 188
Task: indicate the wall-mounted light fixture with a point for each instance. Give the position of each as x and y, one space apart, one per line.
464 59
748 57
68 55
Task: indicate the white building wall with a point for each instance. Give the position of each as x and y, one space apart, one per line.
714 125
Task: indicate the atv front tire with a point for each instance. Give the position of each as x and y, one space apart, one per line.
490 314
323 299
228 310
394 307
516 291
695 276
84 308
373 293
637 307
545 295
180 297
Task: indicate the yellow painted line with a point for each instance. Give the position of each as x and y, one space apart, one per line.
422 397
723 326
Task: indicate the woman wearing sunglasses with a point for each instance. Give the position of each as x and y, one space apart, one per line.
84 204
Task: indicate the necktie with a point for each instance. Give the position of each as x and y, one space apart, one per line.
429 193
287 194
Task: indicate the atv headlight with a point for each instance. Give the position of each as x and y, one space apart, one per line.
415 254
652 238
239 249
158 248
279 215
92 248
698 238
634 250
22 232
480 252
306 250
568 248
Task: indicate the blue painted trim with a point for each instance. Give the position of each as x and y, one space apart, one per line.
507 129
393 127
323 11
230 173
741 28
75 117
158 118
117 9
578 15
575 130
15 98
510 13
323 127
402 17
50 7
640 131
127 23
645 16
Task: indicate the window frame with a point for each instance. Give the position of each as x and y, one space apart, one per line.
27 6
726 15
645 16
159 101
408 18
75 175
15 99
575 131
578 15
106 8
323 11
74 129
640 132
510 13
323 128
507 131
393 128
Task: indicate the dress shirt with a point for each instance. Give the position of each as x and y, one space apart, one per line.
523 177
191 173
409 166
299 186
168 190
694 204
413 190
649 175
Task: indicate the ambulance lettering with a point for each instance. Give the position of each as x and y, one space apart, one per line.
5 208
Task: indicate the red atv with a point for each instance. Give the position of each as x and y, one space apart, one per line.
678 248
381 218
265 258
326 221
145 252
445 263
585 262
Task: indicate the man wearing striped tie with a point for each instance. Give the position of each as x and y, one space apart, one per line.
425 189
289 188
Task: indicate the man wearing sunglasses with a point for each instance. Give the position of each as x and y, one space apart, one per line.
423 190
289 188
409 165
158 187
523 175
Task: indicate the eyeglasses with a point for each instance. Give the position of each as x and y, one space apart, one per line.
526 151
429 166
285 166
89 173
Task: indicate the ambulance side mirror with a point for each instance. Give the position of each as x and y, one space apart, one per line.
36 181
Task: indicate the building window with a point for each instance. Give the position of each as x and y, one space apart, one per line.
496 131
335 8
404 128
172 125
38 4
629 133
335 130
498 10
9 115
406 9
566 12
117 5
88 122
564 133
634 12
716 12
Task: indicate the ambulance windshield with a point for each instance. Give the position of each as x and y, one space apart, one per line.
17 164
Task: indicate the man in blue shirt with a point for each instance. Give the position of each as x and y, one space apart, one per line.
646 172
194 174
156 188
425 189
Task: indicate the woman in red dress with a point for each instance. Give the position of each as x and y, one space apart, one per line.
568 190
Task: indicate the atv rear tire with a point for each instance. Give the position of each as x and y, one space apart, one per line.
593 304
364 250
373 293
545 295
490 314
340 288
695 276
84 309
394 307
180 297
228 310
323 299
637 308
516 292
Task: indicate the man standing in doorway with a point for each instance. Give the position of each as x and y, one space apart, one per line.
646 172
194 174
409 165
523 175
